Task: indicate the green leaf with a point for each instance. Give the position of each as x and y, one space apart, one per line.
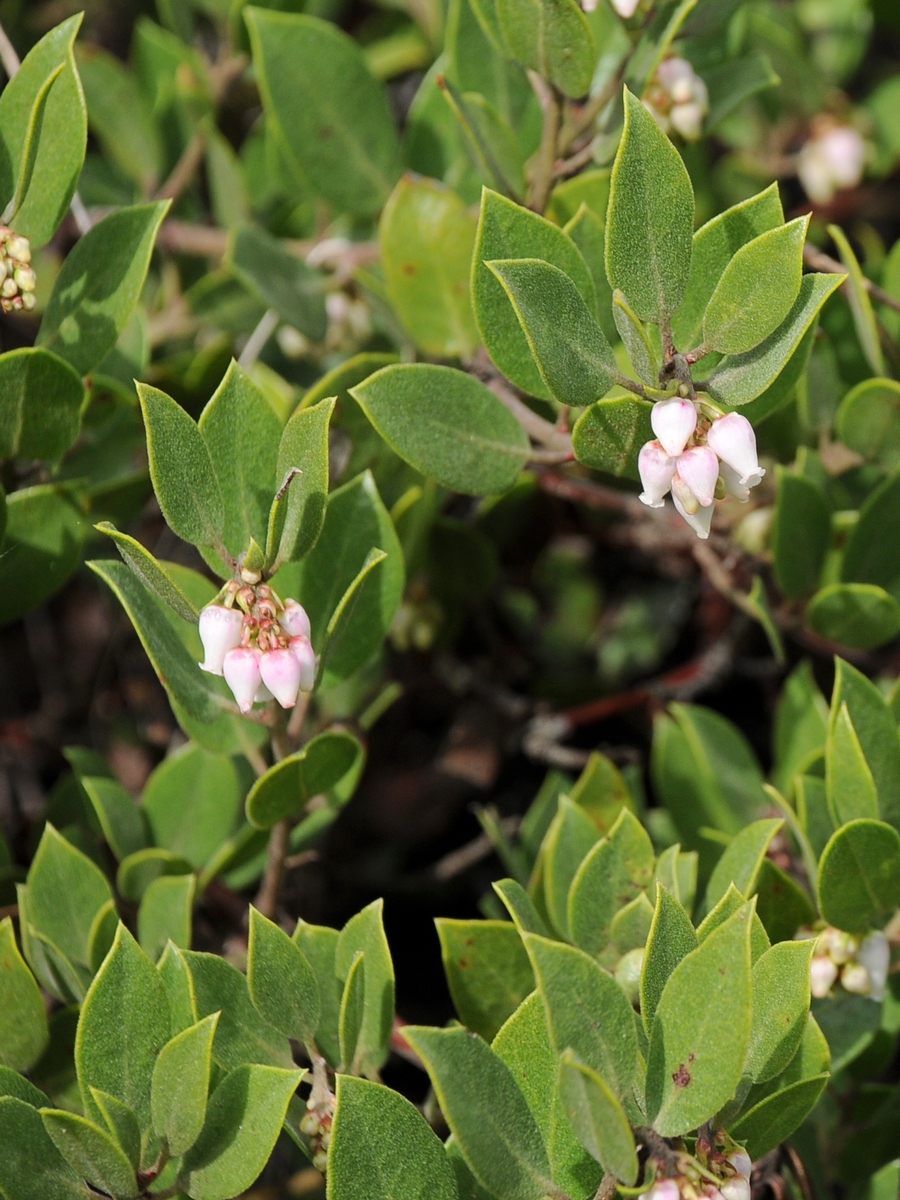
282 281
139 870
801 724
193 832
757 290
860 302
868 421
520 907
585 228
124 1024
242 1036
524 1045
14 1084
176 976
23 1019
775 1119
872 554
631 925
182 470
850 1024
730 903
427 235
243 1121
613 873
486 1112
40 411
780 985
598 1118
586 1010
342 139
742 860
180 1085
319 945
61 142
672 938
121 117
350 1021
282 983
102 935
165 914
801 534
574 358
57 973
859 875
120 818
608 436
488 971
92 1152
59 869
383 1149
150 573
570 837
553 38
782 905
447 425
875 726
241 433
364 933
714 246
731 83
701 1030
297 516
99 285
355 521
850 785
651 218
507 231
286 788
121 1123
740 378
636 340
31 1167
859 615
45 532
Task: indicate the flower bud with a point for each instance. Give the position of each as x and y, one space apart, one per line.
735 1188
741 1162
309 1124
875 955
687 119
662 1189
320 1161
625 8
656 470
306 657
673 422
699 469
294 620
699 520
822 975
25 278
855 978
242 674
19 248
280 670
220 631
733 440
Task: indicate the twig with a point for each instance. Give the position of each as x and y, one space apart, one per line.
798 1170
473 852
184 170
8 56
572 165
591 494
587 115
267 325
820 261
184 237
545 160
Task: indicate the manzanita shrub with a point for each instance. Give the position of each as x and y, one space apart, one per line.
335 337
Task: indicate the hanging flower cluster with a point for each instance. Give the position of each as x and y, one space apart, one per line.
859 964
716 1174
259 644
677 98
17 279
833 158
698 459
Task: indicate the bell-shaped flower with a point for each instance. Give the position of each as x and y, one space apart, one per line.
822 975
242 674
731 481
855 978
625 8
735 1188
280 670
220 631
687 119
741 1162
699 519
699 469
294 620
875 955
733 439
673 421
656 469
662 1189
306 657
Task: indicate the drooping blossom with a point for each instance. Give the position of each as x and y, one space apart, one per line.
677 98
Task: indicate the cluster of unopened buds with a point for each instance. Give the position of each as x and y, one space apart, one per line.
859 963
833 158
17 279
723 1176
317 1127
259 644
698 458
677 98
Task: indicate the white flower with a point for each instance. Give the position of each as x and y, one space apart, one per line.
733 440
662 1189
735 1188
656 469
822 975
625 8
306 657
294 620
875 956
220 631
280 671
242 674
855 978
687 119
698 468
699 520
673 421
731 481
741 1162
832 159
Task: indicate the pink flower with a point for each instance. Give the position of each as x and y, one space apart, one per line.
822 974
306 656
662 1189
699 519
733 440
280 670
220 631
656 470
741 1162
735 1188
699 469
732 483
241 669
294 621
673 421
